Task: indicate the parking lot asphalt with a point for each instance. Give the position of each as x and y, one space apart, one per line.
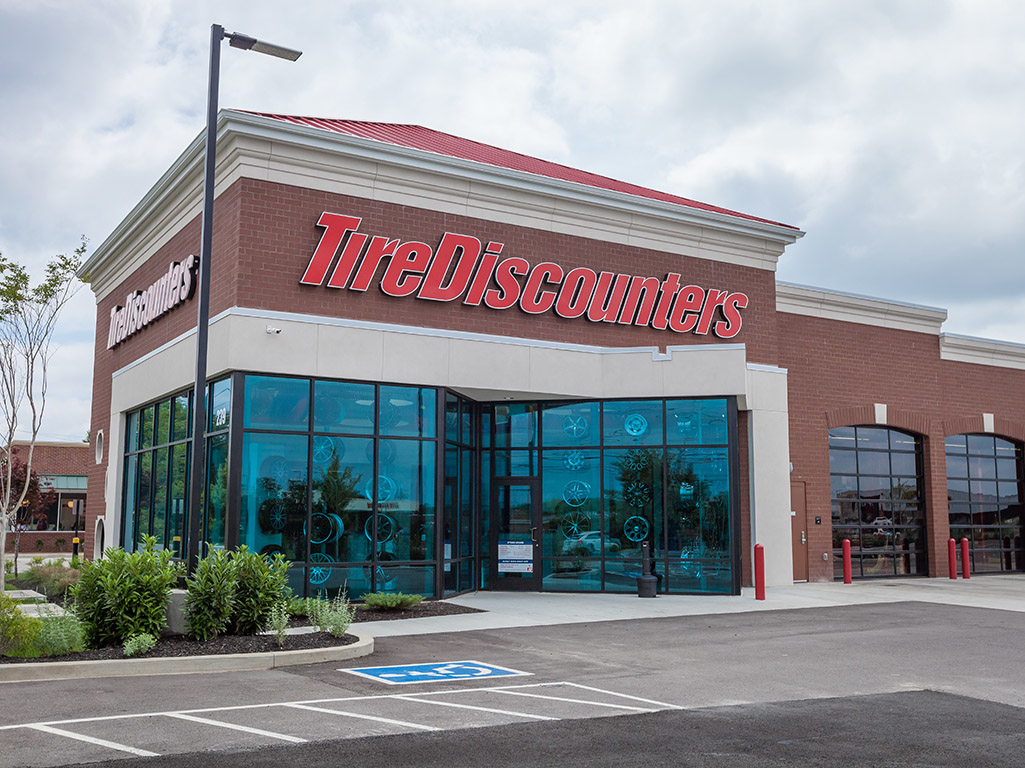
588 683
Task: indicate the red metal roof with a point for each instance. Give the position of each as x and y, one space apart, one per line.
428 140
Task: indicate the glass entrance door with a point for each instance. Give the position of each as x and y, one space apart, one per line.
516 532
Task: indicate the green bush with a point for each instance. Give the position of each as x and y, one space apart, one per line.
137 645
302 606
17 631
390 601
210 599
59 635
53 579
333 616
260 585
125 594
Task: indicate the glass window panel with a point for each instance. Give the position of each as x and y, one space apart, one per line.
466 432
340 526
982 468
904 489
957 466
146 428
407 411
572 575
343 407
903 464
1005 448
696 422
843 462
872 514
411 579
956 443
405 501
959 514
181 426
957 490
1007 469
846 512
621 576
877 565
510 463
515 425
873 437
466 503
273 497
220 405
698 496
1009 493
570 501
632 423
177 498
143 527
451 417
874 487
987 560
633 504
276 403
983 491
1011 514
873 463
842 437
214 527
853 534
485 426
902 442
130 510
843 486
351 581
570 424
162 427
132 431
981 444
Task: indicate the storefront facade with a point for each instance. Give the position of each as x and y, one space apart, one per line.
436 367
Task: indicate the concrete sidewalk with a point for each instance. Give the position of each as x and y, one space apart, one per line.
520 609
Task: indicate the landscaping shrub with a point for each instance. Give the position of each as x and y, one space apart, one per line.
390 601
125 594
260 584
277 621
332 616
211 596
53 579
59 635
138 644
17 631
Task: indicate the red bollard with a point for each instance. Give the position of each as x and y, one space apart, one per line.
952 558
847 561
966 563
759 572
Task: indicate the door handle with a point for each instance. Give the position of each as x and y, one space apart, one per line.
804 538
533 539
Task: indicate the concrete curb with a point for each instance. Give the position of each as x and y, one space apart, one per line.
183 665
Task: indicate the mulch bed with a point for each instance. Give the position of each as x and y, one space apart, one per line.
182 646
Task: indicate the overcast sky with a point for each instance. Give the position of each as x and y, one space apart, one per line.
892 132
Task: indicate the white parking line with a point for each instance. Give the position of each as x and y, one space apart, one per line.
92 740
625 696
421 700
340 713
573 701
234 727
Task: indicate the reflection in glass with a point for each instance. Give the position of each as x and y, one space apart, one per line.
570 505
273 498
217 491
276 403
340 509
343 407
632 423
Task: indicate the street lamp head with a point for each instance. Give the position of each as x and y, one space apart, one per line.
247 43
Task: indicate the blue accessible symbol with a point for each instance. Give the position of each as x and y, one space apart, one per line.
437 672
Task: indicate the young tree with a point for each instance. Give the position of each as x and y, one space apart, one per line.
28 316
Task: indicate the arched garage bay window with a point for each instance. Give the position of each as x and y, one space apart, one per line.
876 491
984 494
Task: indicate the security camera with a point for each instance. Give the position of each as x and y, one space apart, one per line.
272 329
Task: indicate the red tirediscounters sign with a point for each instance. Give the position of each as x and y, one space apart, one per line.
463 269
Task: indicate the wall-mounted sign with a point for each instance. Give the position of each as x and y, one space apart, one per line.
143 307
462 268
515 556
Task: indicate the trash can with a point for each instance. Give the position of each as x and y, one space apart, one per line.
647 586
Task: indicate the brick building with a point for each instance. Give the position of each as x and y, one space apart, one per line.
64 468
438 366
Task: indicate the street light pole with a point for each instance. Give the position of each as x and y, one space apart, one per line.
197 476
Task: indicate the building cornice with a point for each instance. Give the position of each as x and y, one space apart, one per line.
970 349
257 147
853 308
